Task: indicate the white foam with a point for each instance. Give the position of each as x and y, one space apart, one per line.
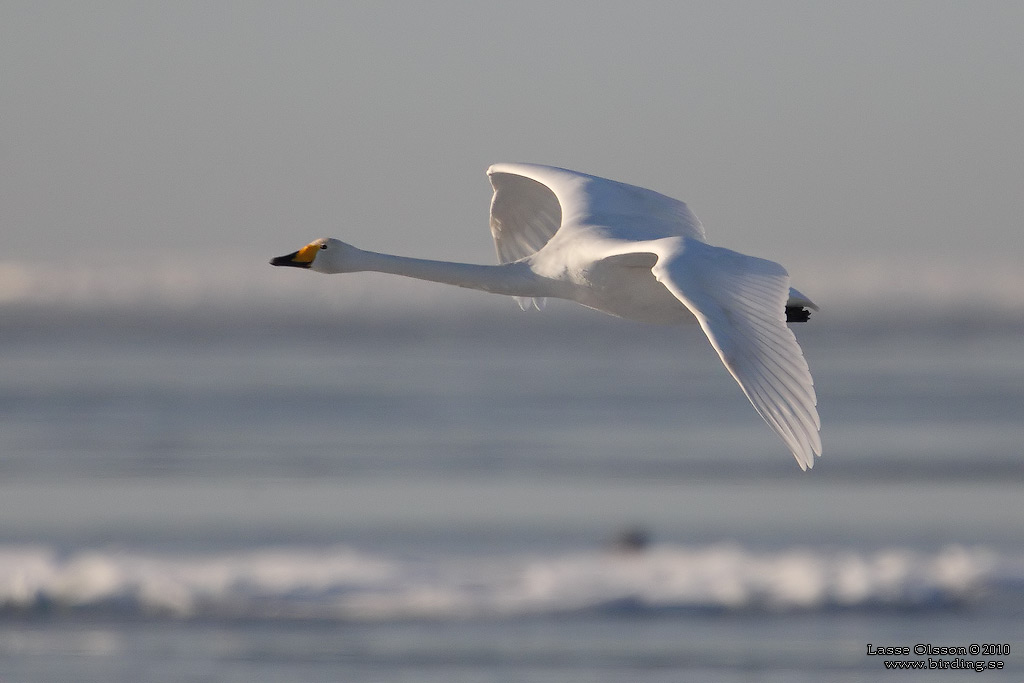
342 583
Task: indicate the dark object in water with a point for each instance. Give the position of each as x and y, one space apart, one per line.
633 539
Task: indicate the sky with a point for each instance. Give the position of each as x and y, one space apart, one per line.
868 146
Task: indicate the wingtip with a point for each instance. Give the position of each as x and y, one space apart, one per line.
806 458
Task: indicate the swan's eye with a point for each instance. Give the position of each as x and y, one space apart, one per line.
323 246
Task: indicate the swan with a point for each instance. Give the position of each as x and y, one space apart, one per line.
633 253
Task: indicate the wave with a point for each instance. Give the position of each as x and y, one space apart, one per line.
350 585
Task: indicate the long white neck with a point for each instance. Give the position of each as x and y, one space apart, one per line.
511 279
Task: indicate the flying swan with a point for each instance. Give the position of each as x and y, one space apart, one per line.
633 253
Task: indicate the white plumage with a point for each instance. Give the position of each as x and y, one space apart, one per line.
636 254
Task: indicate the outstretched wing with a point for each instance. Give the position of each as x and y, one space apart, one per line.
740 302
532 202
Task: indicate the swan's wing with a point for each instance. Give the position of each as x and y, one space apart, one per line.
525 214
740 303
531 203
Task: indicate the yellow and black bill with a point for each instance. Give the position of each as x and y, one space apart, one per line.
303 258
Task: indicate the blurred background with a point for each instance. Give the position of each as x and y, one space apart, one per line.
215 470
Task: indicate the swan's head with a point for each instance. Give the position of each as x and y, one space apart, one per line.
325 255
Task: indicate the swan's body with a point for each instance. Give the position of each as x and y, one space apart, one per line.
632 253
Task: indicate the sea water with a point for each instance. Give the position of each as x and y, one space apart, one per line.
195 496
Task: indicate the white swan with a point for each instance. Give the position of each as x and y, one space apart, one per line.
632 253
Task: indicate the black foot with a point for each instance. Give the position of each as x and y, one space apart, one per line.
797 314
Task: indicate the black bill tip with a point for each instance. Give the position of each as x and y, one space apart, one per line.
290 261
